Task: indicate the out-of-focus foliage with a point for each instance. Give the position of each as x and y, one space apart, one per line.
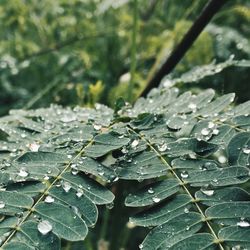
77 52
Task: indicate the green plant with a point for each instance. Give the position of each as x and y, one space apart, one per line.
190 154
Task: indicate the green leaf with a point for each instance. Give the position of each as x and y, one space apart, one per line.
230 213
239 149
153 193
197 241
43 242
172 231
157 215
145 165
105 143
71 228
236 236
12 203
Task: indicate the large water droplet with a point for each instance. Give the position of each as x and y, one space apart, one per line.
208 192
134 143
2 204
66 186
243 224
49 199
215 131
184 174
44 227
222 159
23 172
246 150
205 131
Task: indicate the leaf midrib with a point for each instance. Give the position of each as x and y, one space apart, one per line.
181 184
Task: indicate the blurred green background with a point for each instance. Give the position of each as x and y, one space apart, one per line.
78 52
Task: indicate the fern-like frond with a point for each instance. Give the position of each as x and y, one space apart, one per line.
193 154
50 174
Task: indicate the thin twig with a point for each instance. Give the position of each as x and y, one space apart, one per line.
178 53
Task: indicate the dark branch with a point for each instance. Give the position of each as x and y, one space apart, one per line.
177 54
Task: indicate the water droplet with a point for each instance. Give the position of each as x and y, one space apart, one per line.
141 246
69 156
205 131
211 125
156 199
124 150
215 131
222 159
46 177
151 191
186 210
208 192
192 106
246 150
243 224
68 118
97 126
74 169
23 172
2 204
134 143
184 174
49 199
34 147
110 205
23 135
163 147
187 228
66 186
44 227
79 193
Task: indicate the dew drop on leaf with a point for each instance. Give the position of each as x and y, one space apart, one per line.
79 193
150 191
215 131
134 143
49 199
140 246
2 204
246 150
66 186
110 205
205 131
222 159
156 199
23 172
44 227
163 147
97 126
184 174
186 210
208 192
243 224
211 125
